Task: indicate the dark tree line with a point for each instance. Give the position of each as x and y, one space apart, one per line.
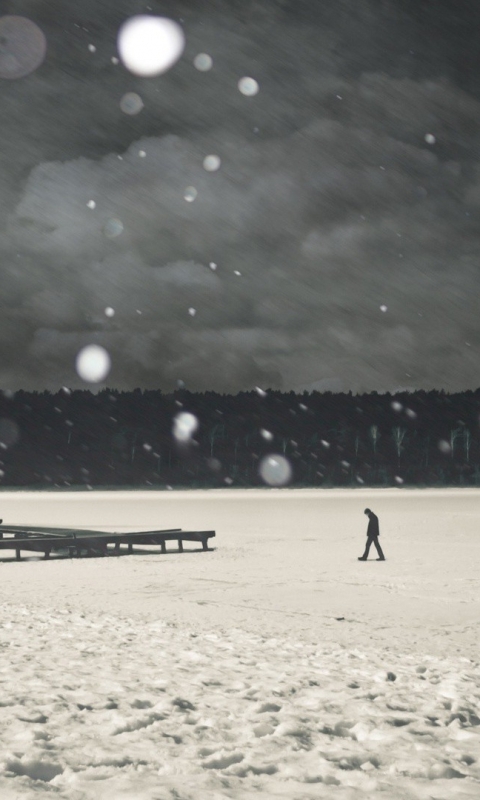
113 438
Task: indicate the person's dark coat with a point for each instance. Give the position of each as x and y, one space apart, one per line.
373 529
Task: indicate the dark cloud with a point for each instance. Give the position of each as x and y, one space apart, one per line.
329 203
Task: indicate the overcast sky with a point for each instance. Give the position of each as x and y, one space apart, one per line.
343 220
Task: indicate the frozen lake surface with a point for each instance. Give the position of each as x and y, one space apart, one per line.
276 665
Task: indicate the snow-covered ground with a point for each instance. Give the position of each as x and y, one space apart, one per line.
274 666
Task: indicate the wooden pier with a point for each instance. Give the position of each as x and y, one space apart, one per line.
78 542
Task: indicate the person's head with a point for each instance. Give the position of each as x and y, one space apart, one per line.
367 512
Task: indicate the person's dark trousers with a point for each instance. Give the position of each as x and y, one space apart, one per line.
373 540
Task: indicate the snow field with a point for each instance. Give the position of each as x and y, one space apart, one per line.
274 666
95 706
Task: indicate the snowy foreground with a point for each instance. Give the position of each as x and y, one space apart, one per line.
275 666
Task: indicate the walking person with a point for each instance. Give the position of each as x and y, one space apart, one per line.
373 532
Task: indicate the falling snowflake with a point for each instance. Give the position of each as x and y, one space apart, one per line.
131 103
203 62
113 228
150 45
211 163
190 194
93 363
184 426
23 46
275 470
248 86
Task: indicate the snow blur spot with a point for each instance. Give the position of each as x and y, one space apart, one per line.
430 138
23 46
237 272
190 194
261 392
114 60
109 311
444 447
396 405
275 470
142 153
211 163
113 228
324 443
248 86
93 363
91 204
92 48
184 426
410 413
203 62
131 103
150 45
398 479
384 308
212 265
192 311
266 434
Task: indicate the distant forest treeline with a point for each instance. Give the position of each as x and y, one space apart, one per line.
118 438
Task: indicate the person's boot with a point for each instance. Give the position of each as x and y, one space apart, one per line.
382 558
362 558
